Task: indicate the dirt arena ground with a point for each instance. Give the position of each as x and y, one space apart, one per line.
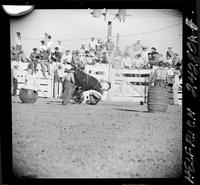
107 140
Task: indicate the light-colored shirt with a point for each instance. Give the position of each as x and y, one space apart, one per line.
43 48
127 62
66 58
92 45
18 41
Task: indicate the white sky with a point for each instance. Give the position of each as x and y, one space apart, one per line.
74 26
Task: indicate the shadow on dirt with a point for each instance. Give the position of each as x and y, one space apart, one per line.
131 110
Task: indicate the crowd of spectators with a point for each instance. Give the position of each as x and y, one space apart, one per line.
136 56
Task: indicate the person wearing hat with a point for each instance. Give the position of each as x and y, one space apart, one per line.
18 44
169 55
153 57
160 75
56 55
34 56
176 62
59 45
49 43
45 61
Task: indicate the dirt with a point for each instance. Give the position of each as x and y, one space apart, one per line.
107 140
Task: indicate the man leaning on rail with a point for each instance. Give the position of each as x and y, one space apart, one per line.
160 76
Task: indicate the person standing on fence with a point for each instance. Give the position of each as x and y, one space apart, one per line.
49 43
56 55
44 61
18 42
169 55
14 85
160 76
18 45
109 46
34 56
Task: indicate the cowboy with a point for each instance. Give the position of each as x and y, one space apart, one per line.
68 87
34 56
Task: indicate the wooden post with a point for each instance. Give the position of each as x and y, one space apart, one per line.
109 34
117 42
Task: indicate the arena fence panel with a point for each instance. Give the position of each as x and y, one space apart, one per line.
45 84
130 84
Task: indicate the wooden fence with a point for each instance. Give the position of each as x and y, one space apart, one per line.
126 84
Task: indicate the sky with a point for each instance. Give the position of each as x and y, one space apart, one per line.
155 27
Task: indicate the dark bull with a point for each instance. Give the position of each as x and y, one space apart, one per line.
82 80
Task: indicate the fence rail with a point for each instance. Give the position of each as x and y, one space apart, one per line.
126 84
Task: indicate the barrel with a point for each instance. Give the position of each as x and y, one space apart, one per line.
158 99
28 95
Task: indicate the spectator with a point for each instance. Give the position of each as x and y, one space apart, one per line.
104 58
109 46
45 37
18 42
138 63
160 75
14 80
153 57
137 47
34 56
92 44
59 45
66 57
44 61
99 53
76 62
176 84
176 62
56 55
126 61
82 49
43 47
88 58
23 57
169 55
49 43
15 54
145 59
